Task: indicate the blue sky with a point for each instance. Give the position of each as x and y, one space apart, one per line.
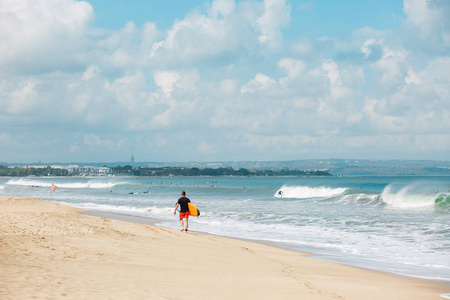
224 80
308 18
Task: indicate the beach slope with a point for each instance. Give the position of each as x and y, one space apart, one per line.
51 251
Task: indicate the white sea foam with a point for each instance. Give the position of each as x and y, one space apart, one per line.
408 197
301 192
108 207
159 212
360 198
27 182
93 184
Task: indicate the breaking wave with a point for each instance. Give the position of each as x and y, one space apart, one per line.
415 196
71 185
442 202
302 192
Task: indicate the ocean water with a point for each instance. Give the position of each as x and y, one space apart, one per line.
395 224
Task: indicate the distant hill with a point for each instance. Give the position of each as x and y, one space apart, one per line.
365 167
345 167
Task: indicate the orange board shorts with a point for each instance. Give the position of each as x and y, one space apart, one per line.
184 215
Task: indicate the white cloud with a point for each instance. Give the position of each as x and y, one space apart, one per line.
42 34
375 110
412 78
275 17
166 81
420 105
200 38
129 48
228 87
259 83
23 99
427 25
332 71
344 82
222 8
372 49
292 67
390 65
91 72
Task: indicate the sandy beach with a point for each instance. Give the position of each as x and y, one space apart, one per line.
51 251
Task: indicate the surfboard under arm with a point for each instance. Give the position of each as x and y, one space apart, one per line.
193 210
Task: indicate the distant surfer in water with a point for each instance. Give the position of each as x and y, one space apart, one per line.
184 211
280 194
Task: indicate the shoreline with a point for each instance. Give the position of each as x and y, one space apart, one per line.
153 222
121 217
50 250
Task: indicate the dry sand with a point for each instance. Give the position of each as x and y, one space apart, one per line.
51 251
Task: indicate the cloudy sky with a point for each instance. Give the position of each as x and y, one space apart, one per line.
176 80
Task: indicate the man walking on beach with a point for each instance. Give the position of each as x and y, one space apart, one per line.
184 211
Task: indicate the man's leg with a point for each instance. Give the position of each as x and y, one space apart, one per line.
182 224
186 220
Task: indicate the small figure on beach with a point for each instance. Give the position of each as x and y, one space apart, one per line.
184 211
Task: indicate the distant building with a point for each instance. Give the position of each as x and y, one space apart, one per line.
103 170
88 170
36 167
132 158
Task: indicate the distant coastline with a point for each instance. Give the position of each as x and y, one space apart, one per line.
335 167
153 172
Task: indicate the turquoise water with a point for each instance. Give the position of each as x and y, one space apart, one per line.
394 224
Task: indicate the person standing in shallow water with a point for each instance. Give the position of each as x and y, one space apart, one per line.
184 211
